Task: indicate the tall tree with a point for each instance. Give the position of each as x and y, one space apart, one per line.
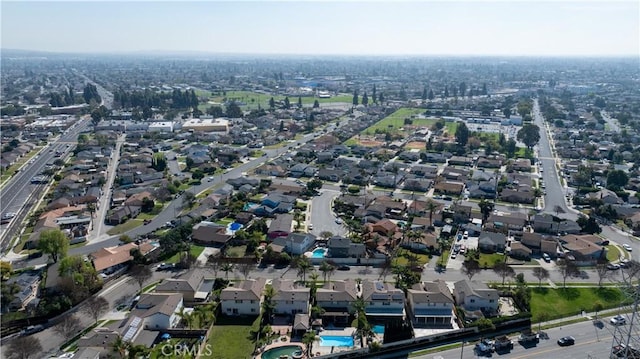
486 208
326 269
68 327
95 307
462 134
140 274
308 339
463 88
504 270
304 265
355 98
567 269
246 268
287 103
226 268
23 348
602 271
299 101
431 96
272 103
470 268
234 111
316 104
374 95
365 99
54 243
381 98
424 93
446 92
540 273
529 134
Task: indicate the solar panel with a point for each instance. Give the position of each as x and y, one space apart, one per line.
133 329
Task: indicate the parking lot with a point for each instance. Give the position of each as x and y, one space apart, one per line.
456 259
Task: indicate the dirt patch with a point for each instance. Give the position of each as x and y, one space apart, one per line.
371 143
415 145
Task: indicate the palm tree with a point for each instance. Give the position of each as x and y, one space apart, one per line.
308 340
314 280
121 347
363 328
226 268
327 270
304 265
268 305
431 207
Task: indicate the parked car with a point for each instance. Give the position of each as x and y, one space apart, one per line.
338 221
627 247
344 268
546 257
566 341
618 320
613 266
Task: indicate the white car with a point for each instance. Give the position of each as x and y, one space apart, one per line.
618 320
627 247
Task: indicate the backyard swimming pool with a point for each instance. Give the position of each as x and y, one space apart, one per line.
293 351
378 329
336 341
319 253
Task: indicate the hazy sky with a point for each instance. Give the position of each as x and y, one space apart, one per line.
327 27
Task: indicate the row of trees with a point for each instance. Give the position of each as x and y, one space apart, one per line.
177 99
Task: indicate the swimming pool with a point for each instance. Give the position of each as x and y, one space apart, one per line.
378 329
293 351
319 253
249 206
233 227
336 341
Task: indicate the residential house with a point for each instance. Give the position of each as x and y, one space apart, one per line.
547 223
606 196
122 214
296 243
110 259
383 301
520 251
243 298
156 311
539 244
512 222
280 226
584 249
427 241
492 242
280 203
100 339
28 283
521 164
446 187
337 298
474 296
431 304
517 195
192 287
290 298
341 247
210 233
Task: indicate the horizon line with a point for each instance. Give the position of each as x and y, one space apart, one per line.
213 53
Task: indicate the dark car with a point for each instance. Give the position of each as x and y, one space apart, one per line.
566 341
344 268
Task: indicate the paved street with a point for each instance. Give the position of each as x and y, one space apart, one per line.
322 215
591 342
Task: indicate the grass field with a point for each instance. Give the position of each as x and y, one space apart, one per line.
489 260
613 253
229 337
251 100
124 227
403 255
395 121
562 302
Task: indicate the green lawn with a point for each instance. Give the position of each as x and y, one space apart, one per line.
489 260
237 251
229 338
613 253
403 255
196 250
395 121
126 226
563 302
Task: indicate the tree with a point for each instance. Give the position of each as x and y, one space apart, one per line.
5 269
316 104
431 95
567 269
215 111
327 270
299 102
246 268
272 103
140 274
486 208
121 347
431 207
189 199
588 225
504 270
226 268
374 94
597 306
541 274
529 134
424 93
23 348
462 134
470 268
462 88
268 305
54 243
355 98
365 99
304 265
234 111
363 328
68 327
287 103
381 98
95 307
617 179
602 271
308 339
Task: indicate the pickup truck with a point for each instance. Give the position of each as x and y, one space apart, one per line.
528 336
503 344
